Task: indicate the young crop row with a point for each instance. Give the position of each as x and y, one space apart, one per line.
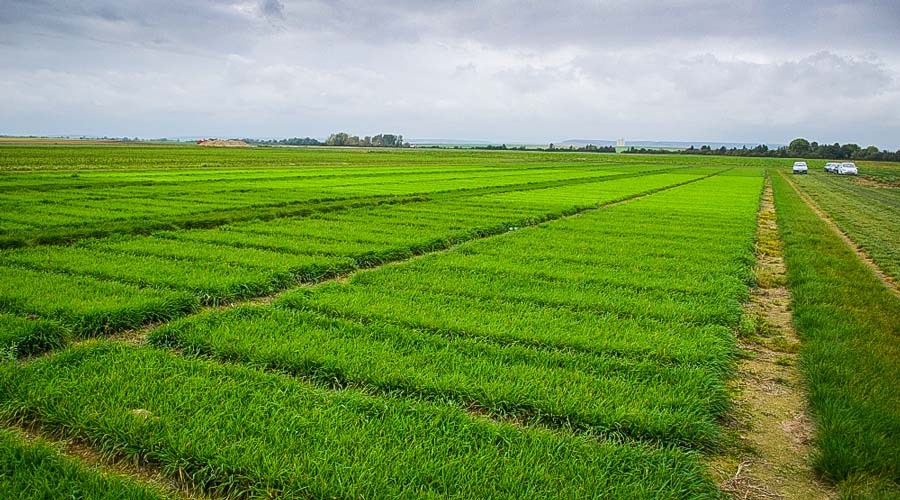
52 217
36 202
850 358
65 183
105 285
869 215
506 334
236 431
530 349
131 158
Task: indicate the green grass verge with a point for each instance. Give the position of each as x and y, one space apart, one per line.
848 321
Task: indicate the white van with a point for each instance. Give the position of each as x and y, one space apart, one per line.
800 167
847 168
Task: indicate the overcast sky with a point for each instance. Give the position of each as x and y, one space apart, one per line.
537 71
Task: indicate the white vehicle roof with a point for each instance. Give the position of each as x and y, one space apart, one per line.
799 163
848 164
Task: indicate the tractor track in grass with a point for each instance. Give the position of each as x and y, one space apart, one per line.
772 429
83 454
863 256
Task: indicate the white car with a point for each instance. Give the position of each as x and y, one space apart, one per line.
831 166
800 167
847 168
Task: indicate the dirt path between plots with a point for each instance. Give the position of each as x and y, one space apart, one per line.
774 432
887 280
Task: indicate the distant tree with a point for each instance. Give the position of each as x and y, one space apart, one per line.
380 140
799 147
849 150
338 139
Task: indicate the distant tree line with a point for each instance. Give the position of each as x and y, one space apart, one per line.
798 148
337 139
590 148
293 141
377 141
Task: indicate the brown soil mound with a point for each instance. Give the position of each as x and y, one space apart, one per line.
223 143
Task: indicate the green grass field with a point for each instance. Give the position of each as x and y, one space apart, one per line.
350 323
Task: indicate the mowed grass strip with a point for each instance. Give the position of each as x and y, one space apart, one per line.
848 321
870 215
239 432
617 397
34 471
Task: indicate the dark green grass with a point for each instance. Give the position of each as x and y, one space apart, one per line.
22 336
33 471
848 321
239 432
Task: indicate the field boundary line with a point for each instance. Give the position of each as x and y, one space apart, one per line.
771 422
863 256
78 452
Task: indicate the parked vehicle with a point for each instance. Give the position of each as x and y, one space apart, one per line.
831 166
800 167
847 168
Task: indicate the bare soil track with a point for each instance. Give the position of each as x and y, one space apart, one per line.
774 431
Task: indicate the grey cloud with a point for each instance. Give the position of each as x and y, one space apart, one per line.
271 9
495 69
